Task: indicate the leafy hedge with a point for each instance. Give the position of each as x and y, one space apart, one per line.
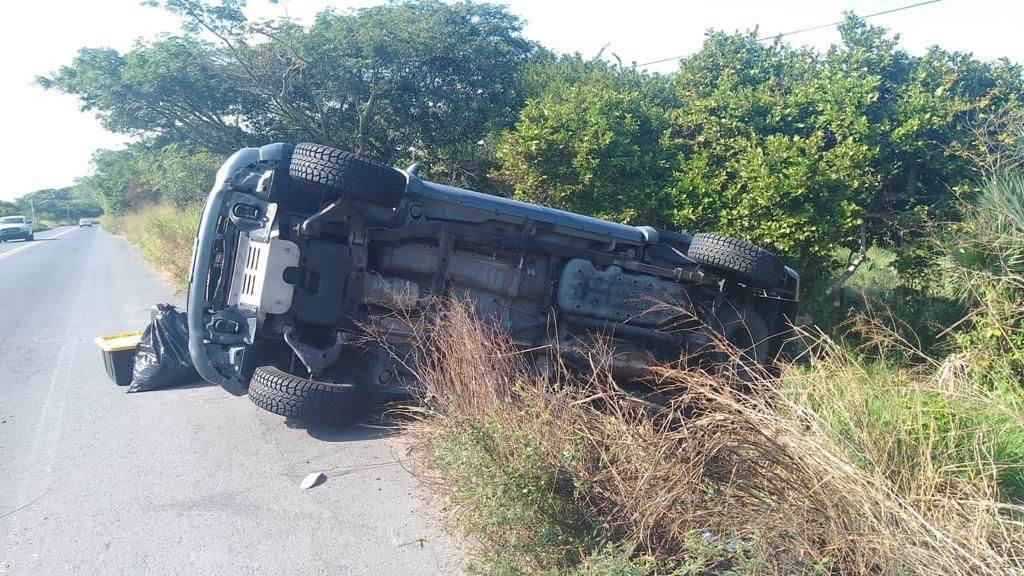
782 146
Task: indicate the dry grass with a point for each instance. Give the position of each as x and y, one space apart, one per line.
839 468
164 235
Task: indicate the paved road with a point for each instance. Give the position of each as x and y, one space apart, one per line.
183 481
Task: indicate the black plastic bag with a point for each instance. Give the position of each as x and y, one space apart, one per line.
162 358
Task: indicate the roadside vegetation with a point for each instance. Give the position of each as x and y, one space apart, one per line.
892 181
164 235
54 207
847 466
813 155
872 457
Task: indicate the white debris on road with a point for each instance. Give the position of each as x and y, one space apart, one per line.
311 480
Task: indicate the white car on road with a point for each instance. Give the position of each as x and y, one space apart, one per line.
15 228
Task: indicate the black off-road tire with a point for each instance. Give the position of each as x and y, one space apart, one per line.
738 259
337 173
306 400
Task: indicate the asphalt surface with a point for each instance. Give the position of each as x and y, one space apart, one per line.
178 481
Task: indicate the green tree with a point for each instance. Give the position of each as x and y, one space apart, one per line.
787 147
178 175
116 181
926 115
421 80
592 142
172 89
772 145
136 177
66 204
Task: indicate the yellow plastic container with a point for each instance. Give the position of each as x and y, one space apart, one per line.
119 355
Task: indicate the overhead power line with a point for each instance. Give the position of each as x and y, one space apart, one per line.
802 30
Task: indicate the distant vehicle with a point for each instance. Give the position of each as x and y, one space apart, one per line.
15 228
85 222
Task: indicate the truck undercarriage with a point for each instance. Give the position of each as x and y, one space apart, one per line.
302 250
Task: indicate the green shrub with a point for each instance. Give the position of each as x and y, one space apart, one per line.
919 308
136 178
917 429
164 236
988 259
779 145
593 146
510 497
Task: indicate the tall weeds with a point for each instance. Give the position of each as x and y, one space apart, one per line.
841 467
164 235
988 257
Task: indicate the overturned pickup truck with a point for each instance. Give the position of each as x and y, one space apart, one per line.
301 248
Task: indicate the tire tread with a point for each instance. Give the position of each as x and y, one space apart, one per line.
745 261
292 396
341 173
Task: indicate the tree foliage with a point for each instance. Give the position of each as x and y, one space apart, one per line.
783 146
171 89
66 204
178 175
799 150
419 80
116 181
137 177
591 142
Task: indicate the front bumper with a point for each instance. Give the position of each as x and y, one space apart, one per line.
219 333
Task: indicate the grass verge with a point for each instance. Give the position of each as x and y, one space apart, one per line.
843 467
164 235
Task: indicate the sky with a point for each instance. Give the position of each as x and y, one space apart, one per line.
47 141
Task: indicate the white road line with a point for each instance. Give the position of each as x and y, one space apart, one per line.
28 245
